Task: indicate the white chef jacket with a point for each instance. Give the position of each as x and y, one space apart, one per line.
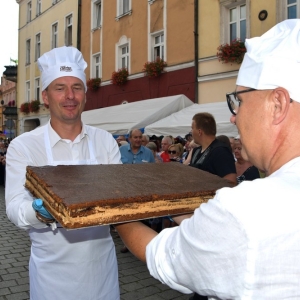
243 244
75 264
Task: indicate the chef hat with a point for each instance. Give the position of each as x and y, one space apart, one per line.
273 60
60 62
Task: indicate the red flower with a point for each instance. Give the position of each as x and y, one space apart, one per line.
154 68
233 52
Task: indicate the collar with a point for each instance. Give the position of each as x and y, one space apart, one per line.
55 138
129 148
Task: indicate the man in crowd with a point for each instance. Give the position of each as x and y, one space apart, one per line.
145 139
121 138
245 242
135 152
166 142
213 155
64 265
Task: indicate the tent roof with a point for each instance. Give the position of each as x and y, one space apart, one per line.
179 123
120 119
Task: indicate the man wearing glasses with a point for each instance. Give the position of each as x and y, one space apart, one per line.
244 243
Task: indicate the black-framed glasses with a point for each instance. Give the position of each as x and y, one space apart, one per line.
172 151
234 102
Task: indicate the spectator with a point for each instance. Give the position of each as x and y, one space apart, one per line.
145 139
121 138
165 144
152 146
135 152
192 145
212 156
244 169
175 152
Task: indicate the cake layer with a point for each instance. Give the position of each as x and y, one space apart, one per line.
89 195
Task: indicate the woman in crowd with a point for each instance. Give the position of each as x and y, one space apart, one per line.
244 169
175 152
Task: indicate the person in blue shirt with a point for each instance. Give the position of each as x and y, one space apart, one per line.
135 152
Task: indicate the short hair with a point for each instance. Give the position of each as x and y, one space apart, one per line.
132 130
146 136
206 122
225 140
152 146
168 139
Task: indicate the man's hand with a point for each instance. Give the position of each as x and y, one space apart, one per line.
42 213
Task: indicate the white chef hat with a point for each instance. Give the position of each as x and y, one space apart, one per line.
60 62
273 60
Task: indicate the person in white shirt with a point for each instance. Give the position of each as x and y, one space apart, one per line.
64 265
245 242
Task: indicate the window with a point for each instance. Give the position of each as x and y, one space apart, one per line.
234 20
97 14
124 7
292 9
54 35
37 89
37 46
28 11
68 34
96 72
27 90
124 57
158 48
38 7
123 53
27 52
237 23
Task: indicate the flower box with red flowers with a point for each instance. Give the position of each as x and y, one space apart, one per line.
120 77
231 53
154 68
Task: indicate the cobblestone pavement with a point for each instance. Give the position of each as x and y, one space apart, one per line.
135 280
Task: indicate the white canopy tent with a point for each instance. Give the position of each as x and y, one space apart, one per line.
120 119
179 123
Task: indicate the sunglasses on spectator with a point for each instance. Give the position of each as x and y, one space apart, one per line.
172 151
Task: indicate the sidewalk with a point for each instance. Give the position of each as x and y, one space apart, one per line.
135 281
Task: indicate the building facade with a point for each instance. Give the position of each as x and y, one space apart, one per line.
43 25
222 21
8 106
127 34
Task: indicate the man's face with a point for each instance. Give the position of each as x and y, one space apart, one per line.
165 145
195 133
65 97
144 141
136 139
120 138
252 122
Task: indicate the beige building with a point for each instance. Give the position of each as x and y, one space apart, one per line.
8 109
43 25
128 33
222 21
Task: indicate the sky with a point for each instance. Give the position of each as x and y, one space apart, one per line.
9 24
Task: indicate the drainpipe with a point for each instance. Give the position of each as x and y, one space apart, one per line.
79 26
196 37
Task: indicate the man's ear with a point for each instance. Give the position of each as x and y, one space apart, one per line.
281 104
45 97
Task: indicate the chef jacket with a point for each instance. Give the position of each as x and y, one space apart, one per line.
243 244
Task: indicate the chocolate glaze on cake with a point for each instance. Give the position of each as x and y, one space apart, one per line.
82 193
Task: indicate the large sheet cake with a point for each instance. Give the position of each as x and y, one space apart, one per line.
89 195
